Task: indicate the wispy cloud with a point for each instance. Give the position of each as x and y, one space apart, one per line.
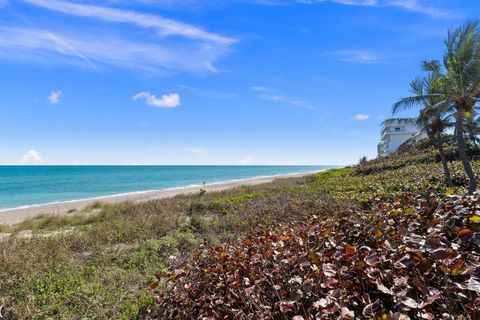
171 100
68 47
259 88
420 6
40 46
32 157
269 2
428 7
163 45
195 4
288 100
361 117
356 56
268 94
162 25
54 97
37 45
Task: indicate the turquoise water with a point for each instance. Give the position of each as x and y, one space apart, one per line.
33 185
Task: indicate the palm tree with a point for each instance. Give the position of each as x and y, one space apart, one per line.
434 121
458 88
462 87
433 118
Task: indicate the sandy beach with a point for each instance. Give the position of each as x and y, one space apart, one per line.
14 216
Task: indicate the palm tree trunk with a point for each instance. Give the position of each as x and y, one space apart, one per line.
472 186
444 160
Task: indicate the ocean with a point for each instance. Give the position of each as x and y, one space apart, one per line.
24 186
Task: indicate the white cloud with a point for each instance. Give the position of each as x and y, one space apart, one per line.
246 160
152 43
163 26
196 4
428 7
361 117
419 6
194 150
92 51
31 157
356 56
171 100
54 97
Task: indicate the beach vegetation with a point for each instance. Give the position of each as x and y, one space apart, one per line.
99 263
118 262
374 256
244 197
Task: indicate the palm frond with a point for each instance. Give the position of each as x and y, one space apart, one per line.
408 103
417 86
414 101
431 66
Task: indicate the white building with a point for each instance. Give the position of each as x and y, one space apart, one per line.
395 132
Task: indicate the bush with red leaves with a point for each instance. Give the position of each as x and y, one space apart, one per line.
407 258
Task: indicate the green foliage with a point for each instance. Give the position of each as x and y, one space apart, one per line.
244 197
327 177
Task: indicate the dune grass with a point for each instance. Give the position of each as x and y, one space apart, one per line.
98 263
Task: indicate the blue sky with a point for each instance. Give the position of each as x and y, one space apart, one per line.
209 82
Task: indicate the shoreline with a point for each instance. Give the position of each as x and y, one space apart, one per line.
19 214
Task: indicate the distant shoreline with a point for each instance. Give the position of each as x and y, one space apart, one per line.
17 215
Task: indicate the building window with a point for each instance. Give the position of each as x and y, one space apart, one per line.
397 129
